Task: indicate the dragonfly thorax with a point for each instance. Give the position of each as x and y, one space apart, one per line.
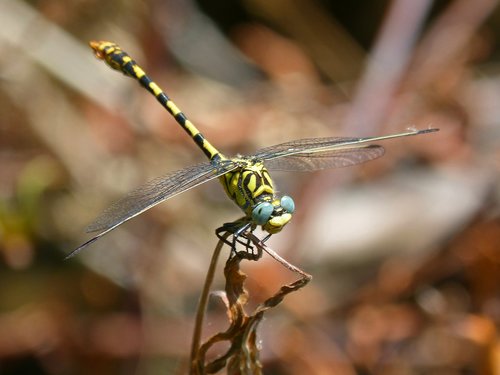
250 186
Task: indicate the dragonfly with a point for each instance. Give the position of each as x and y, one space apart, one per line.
245 179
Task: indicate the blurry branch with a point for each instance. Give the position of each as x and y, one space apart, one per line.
47 45
447 39
27 41
338 56
199 45
396 62
202 305
386 66
58 132
242 357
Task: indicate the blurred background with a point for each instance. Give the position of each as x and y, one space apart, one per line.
404 251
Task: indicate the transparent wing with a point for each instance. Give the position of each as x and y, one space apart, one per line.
313 161
320 153
153 193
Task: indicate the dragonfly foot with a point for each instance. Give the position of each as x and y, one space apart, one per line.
238 230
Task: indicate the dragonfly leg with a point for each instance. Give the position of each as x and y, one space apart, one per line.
250 251
266 237
231 228
238 229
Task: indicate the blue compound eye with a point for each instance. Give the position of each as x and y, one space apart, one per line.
287 204
262 212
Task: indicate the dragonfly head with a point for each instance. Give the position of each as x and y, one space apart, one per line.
273 216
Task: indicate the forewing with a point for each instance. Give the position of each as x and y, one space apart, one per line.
309 145
302 145
312 154
313 161
153 193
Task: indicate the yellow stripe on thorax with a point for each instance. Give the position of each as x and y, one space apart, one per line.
247 185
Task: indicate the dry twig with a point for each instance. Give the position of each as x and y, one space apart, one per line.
242 357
